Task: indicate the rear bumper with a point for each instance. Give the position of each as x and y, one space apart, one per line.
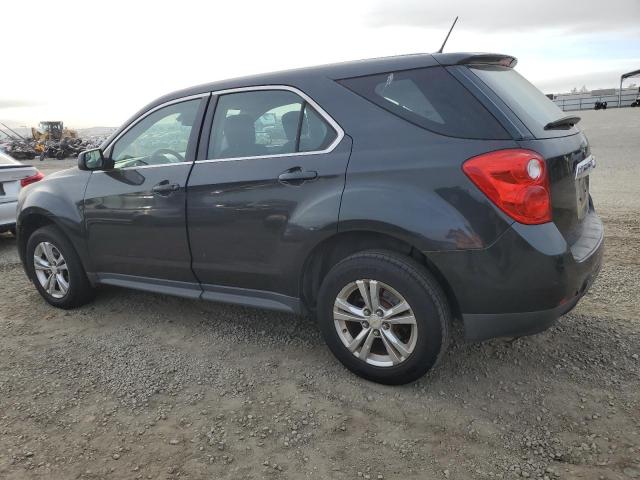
8 215
481 326
523 282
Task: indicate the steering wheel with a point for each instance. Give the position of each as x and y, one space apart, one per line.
157 155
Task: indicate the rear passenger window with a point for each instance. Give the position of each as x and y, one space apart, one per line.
266 122
430 98
315 132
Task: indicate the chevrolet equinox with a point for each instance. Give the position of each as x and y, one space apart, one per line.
385 197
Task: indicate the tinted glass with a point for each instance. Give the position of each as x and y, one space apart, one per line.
532 106
248 124
315 132
267 122
161 137
430 98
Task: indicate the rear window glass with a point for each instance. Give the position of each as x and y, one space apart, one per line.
531 106
7 160
430 98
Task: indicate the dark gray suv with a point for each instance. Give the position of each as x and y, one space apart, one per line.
386 197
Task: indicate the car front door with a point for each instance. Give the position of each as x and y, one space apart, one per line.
135 211
267 190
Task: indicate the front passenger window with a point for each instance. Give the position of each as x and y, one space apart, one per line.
161 137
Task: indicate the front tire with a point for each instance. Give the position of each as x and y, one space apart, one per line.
384 316
56 270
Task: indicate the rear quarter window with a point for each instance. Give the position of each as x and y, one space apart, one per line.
430 98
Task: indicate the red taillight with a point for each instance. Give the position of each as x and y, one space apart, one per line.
516 181
32 179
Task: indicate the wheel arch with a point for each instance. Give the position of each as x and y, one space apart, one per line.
343 244
33 218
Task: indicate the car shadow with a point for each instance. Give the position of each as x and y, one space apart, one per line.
534 357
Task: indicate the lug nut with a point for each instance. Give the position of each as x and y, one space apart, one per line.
379 313
366 312
376 333
365 324
385 325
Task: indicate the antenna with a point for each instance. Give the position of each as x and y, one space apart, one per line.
447 37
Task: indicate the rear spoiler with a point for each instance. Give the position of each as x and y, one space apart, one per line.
497 59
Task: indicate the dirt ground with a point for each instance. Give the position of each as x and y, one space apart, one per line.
139 386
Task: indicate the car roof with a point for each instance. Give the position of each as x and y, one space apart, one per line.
340 70
300 76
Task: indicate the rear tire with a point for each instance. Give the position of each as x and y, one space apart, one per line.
53 249
419 328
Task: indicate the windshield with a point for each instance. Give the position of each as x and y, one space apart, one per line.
531 106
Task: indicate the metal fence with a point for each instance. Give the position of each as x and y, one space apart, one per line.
568 104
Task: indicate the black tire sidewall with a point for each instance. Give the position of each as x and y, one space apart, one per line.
79 288
418 288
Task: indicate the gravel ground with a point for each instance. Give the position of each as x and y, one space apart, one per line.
138 386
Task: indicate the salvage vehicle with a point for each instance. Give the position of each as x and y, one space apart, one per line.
13 176
386 197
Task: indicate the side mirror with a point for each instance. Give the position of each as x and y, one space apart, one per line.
93 160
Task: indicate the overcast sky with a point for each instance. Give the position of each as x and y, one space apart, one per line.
94 63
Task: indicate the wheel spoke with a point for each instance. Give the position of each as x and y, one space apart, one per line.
403 306
48 252
59 260
402 320
366 348
364 291
395 359
50 286
347 317
63 285
374 293
356 342
395 341
40 264
347 307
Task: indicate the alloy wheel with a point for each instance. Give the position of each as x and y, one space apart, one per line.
51 269
375 323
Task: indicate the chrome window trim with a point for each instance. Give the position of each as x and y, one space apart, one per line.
170 164
142 117
339 131
327 118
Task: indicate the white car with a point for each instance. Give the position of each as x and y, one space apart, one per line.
13 176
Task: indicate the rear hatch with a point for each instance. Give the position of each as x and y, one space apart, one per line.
554 136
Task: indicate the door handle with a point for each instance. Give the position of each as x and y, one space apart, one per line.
165 188
297 176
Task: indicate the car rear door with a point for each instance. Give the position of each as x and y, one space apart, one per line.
267 188
135 212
